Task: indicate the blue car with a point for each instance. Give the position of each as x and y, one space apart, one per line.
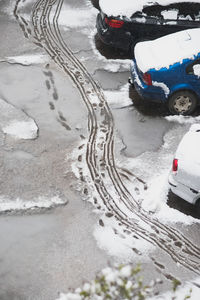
167 70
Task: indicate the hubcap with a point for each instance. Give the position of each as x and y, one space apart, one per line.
182 104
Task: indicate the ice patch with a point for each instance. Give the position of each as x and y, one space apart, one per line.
8 205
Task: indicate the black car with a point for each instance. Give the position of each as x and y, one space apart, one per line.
153 21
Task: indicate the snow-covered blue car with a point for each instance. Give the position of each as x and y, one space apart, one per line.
167 70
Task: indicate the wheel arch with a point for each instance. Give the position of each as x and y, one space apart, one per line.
183 87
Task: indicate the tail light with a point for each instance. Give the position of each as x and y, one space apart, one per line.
147 78
175 165
114 23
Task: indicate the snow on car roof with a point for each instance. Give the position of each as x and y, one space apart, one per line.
128 7
167 50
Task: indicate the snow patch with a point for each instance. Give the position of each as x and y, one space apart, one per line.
26 60
119 98
163 86
196 69
183 120
16 123
8 205
21 129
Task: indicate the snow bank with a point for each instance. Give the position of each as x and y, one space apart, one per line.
157 54
16 123
128 7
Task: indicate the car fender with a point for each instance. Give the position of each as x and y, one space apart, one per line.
179 87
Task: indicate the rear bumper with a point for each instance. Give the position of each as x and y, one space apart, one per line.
183 191
149 93
113 37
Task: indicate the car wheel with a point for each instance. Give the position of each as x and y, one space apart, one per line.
95 3
182 103
197 206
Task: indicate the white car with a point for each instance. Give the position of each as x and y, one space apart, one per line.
184 178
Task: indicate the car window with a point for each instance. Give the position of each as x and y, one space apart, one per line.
189 11
193 68
174 11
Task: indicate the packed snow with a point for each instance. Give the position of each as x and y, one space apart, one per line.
128 7
157 54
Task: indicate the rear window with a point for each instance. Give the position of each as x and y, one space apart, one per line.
175 11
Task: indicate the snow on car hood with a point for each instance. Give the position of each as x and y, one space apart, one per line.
128 7
167 50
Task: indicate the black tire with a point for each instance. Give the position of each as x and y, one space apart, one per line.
197 206
182 103
95 3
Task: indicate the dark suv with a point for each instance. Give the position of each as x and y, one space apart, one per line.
123 30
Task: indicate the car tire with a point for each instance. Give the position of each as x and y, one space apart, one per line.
182 103
95 3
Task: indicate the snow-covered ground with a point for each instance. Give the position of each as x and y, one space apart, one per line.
18 125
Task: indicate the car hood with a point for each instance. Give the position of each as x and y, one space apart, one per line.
158 54
188 155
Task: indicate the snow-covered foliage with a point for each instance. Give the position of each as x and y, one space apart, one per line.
117 283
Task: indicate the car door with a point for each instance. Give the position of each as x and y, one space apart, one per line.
188 157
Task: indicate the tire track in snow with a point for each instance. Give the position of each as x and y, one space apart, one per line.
100 145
